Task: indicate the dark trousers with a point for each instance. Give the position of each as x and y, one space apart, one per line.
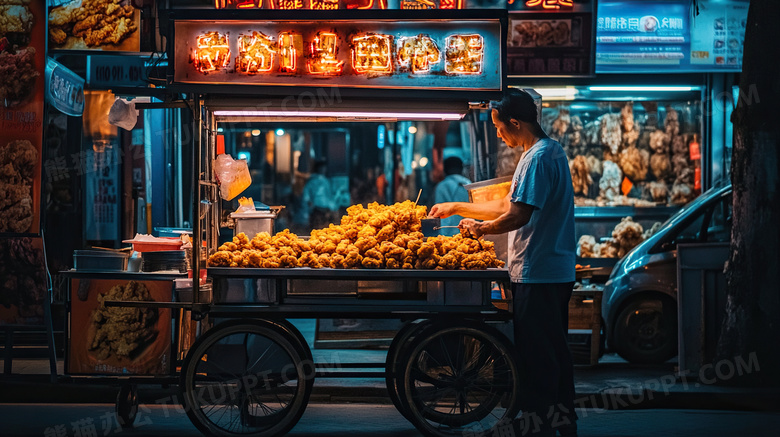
541 321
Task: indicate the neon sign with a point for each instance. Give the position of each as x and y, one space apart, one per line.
464 54
410 53
288 54
418 53
323 54
213 52
255 53
548 4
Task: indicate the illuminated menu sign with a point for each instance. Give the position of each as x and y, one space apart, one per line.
652 36
550 38
347 4
462 54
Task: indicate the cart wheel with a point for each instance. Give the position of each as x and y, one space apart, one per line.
401 342
127 405
456 377
245 377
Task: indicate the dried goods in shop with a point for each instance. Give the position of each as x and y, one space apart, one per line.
660 165
681 193
611 177
658 191
633 163
659 141
679 145
627 234
587 247
378 236
560 125
610 134
624 237
122 331
630 128
671 122
681 167
580 175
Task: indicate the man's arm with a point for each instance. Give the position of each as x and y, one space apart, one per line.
516 217
489 210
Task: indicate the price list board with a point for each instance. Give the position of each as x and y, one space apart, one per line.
550 42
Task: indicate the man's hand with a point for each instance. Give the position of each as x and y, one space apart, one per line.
442 210
472 227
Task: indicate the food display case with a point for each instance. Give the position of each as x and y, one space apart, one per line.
636 155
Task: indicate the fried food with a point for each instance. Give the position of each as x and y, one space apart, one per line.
378 236
123 331
97 22
17 165
19 74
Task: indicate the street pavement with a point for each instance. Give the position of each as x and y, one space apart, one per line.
329 419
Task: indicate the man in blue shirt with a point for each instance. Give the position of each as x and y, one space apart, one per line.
451 189
538 213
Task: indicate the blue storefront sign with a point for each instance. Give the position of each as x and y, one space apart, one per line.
64 89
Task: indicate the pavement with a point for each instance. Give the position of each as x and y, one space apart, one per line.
376 420
612 384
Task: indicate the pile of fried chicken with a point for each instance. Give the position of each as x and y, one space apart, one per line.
122 331
98 22
376 237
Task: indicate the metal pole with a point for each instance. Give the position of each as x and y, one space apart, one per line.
196 231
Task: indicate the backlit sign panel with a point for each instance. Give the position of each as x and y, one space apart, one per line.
375 53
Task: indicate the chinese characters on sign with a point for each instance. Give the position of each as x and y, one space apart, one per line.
548 4
408 53
213 52
371 53
647 23
355 4
418 53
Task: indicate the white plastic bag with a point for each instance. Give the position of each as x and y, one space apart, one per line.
123 114
232 175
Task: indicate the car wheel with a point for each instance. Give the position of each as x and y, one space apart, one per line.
646 331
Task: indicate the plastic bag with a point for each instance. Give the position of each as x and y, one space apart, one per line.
233 176
245 205
123 114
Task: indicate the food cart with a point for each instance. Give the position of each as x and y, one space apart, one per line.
249 371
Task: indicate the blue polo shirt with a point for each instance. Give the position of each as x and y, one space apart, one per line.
543 251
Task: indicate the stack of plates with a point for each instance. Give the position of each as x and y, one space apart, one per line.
164 260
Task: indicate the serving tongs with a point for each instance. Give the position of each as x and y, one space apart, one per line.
467 234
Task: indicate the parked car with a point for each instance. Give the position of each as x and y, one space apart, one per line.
639 304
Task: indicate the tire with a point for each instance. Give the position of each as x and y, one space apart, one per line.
245 378
402 341
645 331
459 380
127 405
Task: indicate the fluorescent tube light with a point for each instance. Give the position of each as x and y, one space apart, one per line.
565 93
340 114
642 88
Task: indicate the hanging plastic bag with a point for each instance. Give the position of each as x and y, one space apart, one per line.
232 175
